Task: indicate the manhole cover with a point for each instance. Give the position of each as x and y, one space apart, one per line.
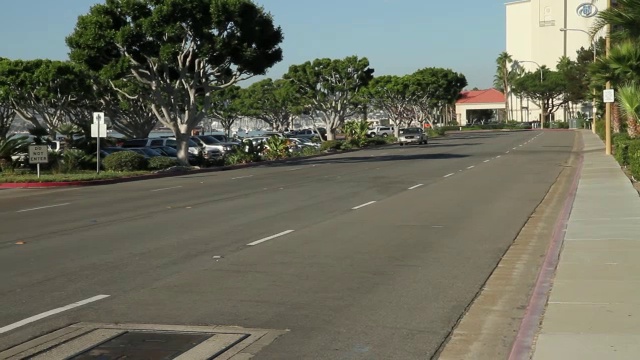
144 342
145 345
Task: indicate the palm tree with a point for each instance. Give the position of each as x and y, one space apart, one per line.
629 100
502 78
10 147
622 65
624 18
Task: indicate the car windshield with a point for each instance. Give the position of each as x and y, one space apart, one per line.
220 137
209 140
168 151
410 131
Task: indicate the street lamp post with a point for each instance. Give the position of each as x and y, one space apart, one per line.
595 57
541 80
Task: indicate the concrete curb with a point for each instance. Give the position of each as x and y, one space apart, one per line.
530 325
32 185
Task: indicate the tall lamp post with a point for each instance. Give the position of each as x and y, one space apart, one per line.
595 57
518 62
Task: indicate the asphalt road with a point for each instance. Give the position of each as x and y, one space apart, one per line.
387 280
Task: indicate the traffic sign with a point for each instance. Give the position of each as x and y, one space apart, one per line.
99 130
38 154
609 96
98 118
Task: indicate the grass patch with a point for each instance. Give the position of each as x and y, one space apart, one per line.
79 176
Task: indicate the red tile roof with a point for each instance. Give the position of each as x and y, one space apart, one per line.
489 96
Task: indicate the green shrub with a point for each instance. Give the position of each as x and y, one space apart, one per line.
633 158
331 145
125 161
600 128
390 139
347 146
161 162
308 151
239 157
376 141
72 160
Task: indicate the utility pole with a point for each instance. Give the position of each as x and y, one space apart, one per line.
607 114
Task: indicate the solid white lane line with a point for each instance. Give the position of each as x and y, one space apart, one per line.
471 167
43 207
270 237
241 177
50 312
449 175
486 161
169 188
416 186
363 205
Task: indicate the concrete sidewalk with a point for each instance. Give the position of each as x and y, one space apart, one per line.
593 311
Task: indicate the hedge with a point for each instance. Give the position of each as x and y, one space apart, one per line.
125 161
633 157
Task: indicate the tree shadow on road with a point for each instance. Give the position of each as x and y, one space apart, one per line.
378 158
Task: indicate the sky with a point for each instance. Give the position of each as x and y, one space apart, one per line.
397 36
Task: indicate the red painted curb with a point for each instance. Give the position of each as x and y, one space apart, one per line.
531 322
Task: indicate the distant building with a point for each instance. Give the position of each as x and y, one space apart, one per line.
474 101
534 35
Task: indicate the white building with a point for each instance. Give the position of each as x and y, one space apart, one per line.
534 36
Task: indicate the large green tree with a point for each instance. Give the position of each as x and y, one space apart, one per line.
331 87
392 94
41 91
181 51
227 107
432 89
274 102
549 94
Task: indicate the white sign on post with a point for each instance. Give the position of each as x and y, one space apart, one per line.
99 127
38 154
609 96
98 130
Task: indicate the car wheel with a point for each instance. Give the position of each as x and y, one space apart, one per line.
385 135
401 144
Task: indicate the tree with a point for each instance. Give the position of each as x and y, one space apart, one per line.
274 102
621 66
503 78
548 93
629 100
181 51
41 90
131 116
392 94
7 114
432 89
624 19
331 87
227 107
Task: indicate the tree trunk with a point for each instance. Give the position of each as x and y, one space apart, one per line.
615 118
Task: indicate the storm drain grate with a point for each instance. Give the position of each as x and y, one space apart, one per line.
145 345
136 341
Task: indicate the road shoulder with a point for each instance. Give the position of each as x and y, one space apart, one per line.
490 325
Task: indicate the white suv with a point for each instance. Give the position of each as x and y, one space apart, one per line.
383 131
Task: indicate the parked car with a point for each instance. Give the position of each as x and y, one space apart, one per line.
383 131
163 141
213 146
413 135
224 139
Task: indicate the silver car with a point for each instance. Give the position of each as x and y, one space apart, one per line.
413 135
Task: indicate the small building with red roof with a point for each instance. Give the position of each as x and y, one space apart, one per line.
475 102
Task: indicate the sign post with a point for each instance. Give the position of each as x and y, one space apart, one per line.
98 130
38 154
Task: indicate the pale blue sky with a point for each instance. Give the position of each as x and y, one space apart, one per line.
398 36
